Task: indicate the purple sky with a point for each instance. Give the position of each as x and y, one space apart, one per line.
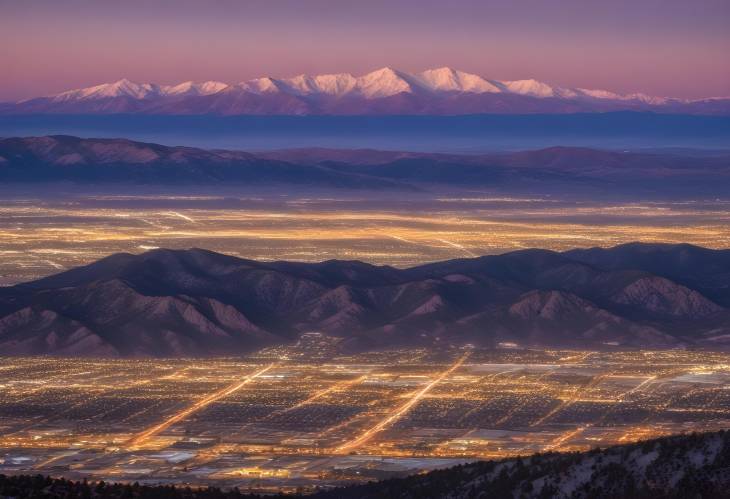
664 47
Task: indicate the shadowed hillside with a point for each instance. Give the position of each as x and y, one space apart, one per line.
197 302
692 466
556 170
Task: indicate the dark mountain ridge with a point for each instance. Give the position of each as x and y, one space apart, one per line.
473 133
196 302
62 158
681 466
553 170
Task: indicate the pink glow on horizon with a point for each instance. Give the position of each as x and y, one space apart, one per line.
659 47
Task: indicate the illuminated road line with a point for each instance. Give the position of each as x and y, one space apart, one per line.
128 419
400 411
179 215
637 388
55 458
458 246
316 396
576 396
555 444
200 404
343 385
488 400
343 424
649 381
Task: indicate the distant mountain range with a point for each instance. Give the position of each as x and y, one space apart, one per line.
442 91
556 170
199 303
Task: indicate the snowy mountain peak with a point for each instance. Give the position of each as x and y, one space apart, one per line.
123 83
647 99
328 84
263 85
120 88
385 82
533 88
442 90
446 79
335 84
193 88
385 72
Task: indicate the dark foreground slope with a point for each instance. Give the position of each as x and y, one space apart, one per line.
197 302
42 487
557 170
692 466
687 466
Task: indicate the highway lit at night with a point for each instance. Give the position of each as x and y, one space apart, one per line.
288 418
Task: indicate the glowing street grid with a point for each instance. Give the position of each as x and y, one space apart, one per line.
292 418
42 237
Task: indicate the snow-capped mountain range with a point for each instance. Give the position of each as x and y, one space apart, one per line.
384 91
383 82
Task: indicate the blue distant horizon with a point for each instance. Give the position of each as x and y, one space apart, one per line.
463 134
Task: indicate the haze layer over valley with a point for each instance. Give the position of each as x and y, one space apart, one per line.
69 201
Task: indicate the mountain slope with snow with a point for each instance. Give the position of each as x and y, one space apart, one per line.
439 91
681 466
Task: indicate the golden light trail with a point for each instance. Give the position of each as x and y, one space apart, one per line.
53 459
565 437
458 246
400 411
638 387
576 396
104 393
71 234
200 404
179 215
476 408
316 396
326 391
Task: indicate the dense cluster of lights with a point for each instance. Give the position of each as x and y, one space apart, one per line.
300 416
39 238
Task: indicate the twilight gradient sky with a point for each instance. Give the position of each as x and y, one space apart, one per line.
663 47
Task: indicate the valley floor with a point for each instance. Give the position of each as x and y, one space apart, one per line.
42 233
300 417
